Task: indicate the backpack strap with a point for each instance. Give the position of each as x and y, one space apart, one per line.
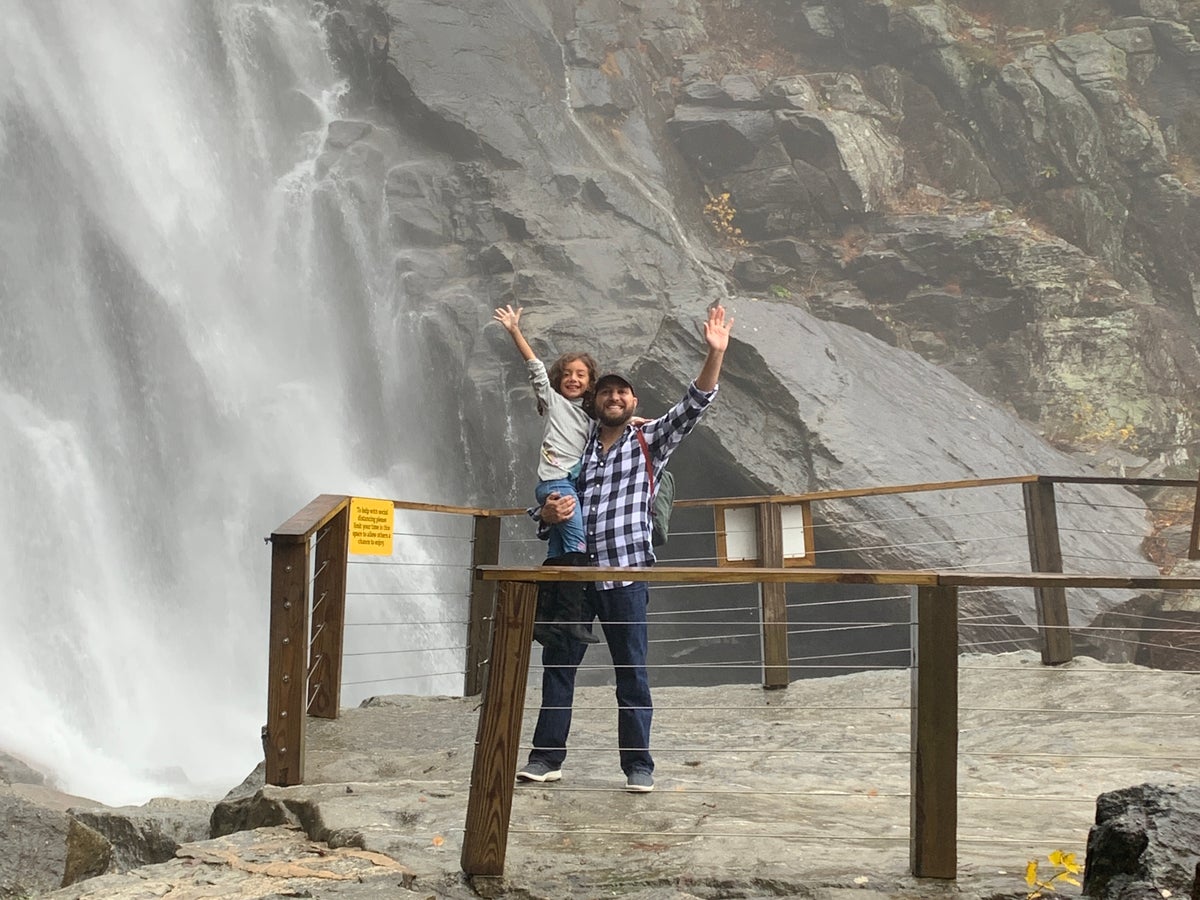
649 465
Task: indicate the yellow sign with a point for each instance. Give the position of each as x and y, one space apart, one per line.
371 526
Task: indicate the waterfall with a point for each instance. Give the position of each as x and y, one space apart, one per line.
177 375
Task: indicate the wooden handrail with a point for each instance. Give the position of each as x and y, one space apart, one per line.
846 493
305 523
457 510
850 493
911 577
1120 482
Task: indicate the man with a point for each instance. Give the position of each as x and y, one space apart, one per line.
615 490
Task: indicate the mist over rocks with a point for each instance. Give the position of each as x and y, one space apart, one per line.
16 771
49 839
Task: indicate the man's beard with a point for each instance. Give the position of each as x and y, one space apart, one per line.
614 421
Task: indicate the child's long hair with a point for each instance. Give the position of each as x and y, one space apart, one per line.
555 374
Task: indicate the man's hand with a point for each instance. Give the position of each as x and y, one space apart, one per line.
716 329
716 335
557 508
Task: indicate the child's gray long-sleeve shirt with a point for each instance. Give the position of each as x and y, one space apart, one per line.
566 430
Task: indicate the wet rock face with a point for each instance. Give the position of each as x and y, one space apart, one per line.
943 109
898 281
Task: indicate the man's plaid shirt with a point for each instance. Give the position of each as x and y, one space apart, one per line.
614 487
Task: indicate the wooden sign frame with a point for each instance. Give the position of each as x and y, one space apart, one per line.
736 528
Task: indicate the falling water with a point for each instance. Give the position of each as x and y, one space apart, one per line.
169 388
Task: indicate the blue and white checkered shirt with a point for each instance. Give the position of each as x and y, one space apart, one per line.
614 487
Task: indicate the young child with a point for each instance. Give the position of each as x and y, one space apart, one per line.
564 396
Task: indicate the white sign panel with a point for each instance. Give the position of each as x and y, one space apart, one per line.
794 543
741 533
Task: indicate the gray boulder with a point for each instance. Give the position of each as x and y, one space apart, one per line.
41 846
1146 842
141 835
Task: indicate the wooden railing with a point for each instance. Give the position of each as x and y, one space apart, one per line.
308 614
933 819
308 600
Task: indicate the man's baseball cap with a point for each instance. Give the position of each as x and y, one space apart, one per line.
612 377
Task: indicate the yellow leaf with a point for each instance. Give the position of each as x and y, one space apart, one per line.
1031 872
1056 858
1070 865
1069 880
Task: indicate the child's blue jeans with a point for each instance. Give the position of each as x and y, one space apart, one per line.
565 537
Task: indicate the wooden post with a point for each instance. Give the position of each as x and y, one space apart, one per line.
485 551
1194 545
933 810
497 741
287 664
773 598
328 618
1045 555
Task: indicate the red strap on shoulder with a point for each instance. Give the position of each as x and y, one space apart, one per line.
646 453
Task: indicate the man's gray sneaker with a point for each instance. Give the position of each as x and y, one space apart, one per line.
639 781
539 771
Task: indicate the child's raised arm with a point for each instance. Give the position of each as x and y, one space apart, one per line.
510 319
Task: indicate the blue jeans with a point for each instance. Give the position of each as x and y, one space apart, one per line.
622 614
565 537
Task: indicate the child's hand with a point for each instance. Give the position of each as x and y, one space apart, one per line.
508 317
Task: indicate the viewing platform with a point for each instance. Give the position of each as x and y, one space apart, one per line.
933 753
807 788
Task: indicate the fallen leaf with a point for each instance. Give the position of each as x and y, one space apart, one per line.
438 840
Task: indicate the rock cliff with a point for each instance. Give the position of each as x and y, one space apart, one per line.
958 239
